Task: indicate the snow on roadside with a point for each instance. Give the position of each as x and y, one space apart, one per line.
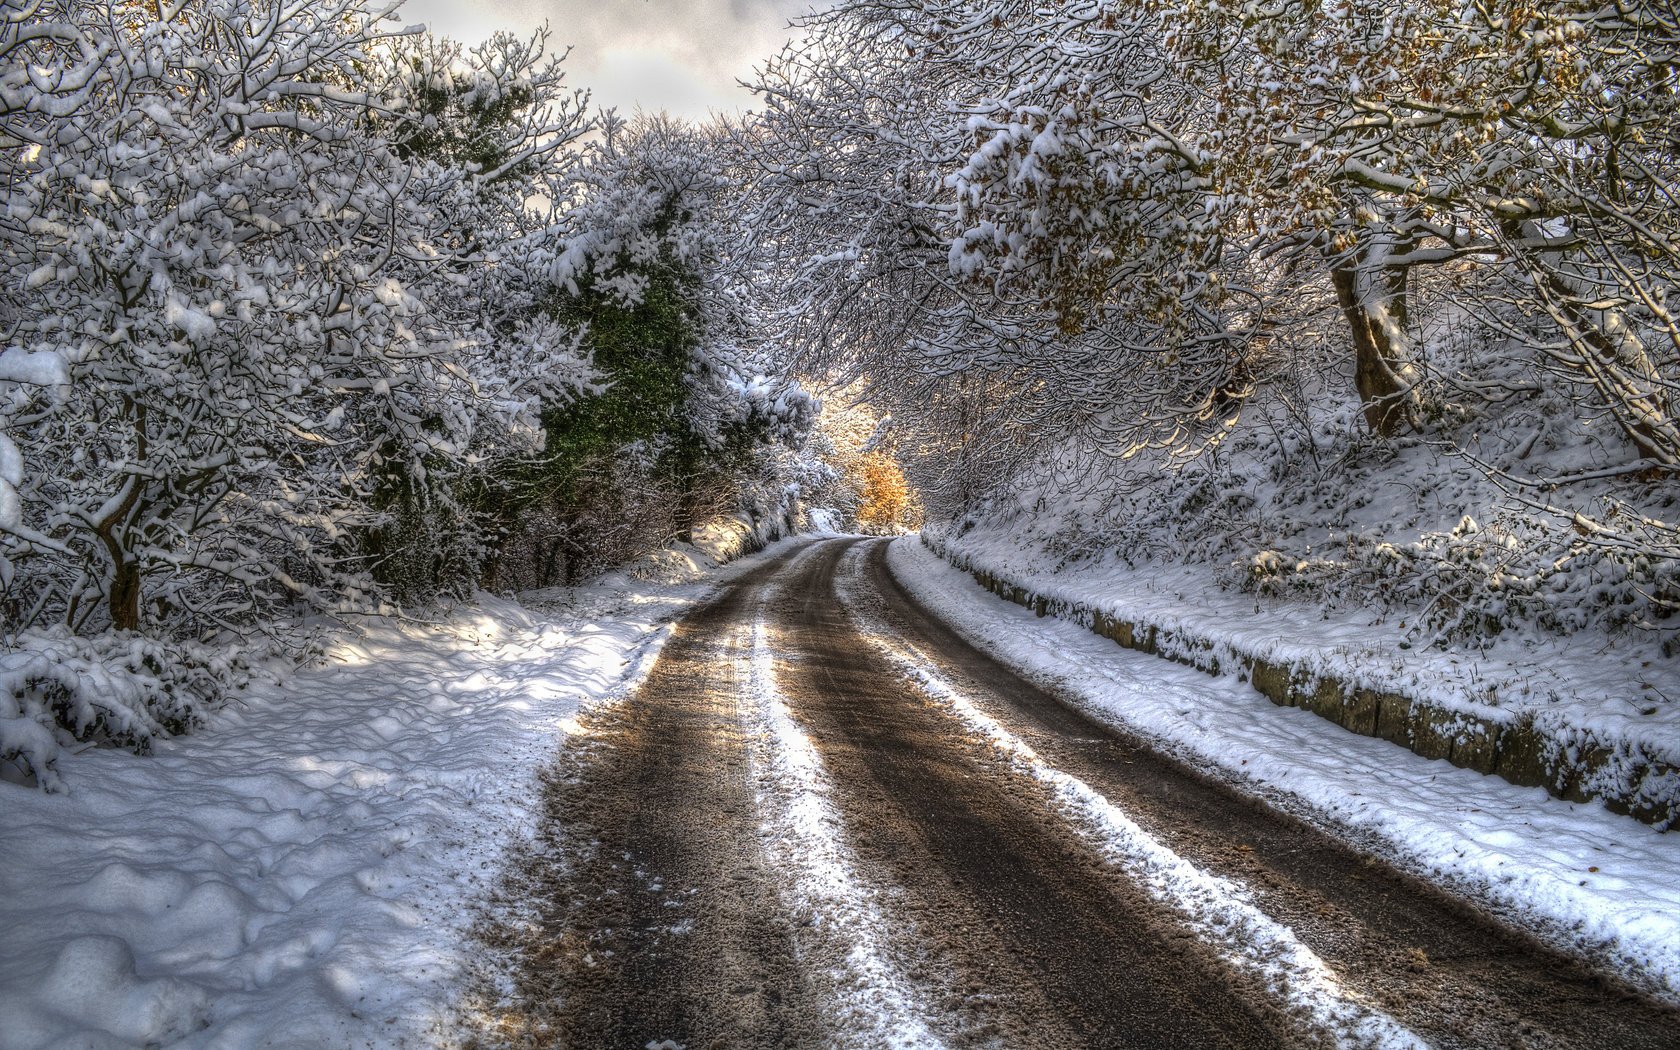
295 873
805 840
1219 910
1594 883
1616 689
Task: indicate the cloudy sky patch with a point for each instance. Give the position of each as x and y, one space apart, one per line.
682 56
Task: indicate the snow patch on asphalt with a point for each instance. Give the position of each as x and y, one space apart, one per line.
805 840
1219 910
1597 884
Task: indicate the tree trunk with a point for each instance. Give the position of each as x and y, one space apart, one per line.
124 598
1374 304
123 595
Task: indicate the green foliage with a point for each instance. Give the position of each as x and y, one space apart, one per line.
474 110
643 350
627 467
453 123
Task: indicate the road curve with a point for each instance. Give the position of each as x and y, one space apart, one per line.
657 905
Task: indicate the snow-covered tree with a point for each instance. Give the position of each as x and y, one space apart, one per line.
491 134
274 274
1149 207
656 272
929 235
268 300
1369 139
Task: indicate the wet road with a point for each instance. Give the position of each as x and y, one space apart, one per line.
661 909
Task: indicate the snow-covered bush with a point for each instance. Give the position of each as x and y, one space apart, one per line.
1471 583
1519 505
122 689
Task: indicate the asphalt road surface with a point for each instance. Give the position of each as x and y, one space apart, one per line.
685 890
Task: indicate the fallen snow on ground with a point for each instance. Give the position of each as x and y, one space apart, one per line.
1598 884
1618 688
806 842
1219 910
295 874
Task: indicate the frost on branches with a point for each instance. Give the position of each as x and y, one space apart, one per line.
693 417
258 304
1131 236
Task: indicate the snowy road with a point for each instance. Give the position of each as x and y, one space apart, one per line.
828 820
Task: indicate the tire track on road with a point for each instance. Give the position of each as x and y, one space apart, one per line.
1051 949
1433 961
781 841
656 916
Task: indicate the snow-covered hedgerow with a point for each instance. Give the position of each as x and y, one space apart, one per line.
1513 509
1473 581
123 689
282 319
1115 235
308 310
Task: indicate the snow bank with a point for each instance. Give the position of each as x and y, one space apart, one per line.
1592 882
119 688
294 874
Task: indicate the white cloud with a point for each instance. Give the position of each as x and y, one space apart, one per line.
683 56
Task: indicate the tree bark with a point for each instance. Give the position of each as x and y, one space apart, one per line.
122 596
124 599
1383 375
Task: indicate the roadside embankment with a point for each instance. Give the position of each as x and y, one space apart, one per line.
1555 738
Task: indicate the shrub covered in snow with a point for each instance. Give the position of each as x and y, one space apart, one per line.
1472 582
279 323
121 689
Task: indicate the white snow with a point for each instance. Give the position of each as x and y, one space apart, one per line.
38 368
41 368
92 984
1618 690
805 840
294 874
1598 884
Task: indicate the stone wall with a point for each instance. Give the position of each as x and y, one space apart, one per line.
1569 763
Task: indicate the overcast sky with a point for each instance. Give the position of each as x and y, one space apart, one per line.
682 56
